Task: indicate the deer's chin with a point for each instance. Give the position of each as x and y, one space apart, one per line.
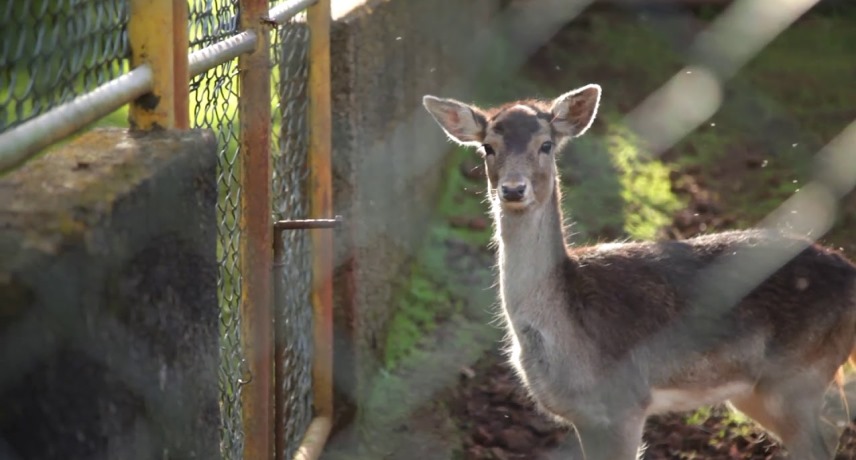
516 206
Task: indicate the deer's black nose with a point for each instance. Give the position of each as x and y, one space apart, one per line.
513 192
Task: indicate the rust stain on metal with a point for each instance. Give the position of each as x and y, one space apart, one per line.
150 35
268 22
148 101
256 236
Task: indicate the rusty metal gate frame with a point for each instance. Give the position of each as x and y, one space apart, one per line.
262 348
156 87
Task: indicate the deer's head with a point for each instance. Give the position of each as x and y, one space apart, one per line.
518 140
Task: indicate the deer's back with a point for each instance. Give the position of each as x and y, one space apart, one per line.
710 295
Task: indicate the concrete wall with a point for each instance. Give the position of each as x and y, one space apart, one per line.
108 305
388 154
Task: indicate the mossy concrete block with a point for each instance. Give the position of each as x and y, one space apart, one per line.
108 302
388 155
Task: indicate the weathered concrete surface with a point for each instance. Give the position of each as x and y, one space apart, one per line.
388 155
108 306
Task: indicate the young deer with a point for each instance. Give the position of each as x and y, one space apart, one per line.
604 336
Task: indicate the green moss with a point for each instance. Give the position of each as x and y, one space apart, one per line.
421 301
67 225
612 189
428 294
462 196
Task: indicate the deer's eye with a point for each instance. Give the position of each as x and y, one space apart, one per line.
488 150
546 147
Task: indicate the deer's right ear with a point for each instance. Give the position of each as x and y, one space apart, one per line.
462 123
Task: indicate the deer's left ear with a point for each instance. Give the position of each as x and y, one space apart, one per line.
574 111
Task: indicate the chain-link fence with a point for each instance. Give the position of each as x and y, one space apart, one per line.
54 51
213 97
289 52
215 94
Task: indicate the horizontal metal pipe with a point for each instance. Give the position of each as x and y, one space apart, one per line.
223 51
285 11
28 138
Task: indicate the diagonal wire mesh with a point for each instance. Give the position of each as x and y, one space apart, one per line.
290 201
214 105
54 50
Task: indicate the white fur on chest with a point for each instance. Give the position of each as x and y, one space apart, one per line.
675 399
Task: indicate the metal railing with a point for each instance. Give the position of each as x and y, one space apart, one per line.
256 72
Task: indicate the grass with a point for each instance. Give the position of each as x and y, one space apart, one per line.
611 189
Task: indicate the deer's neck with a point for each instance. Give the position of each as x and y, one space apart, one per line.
531 253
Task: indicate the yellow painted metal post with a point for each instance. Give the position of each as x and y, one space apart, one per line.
152 41
321 203
321 241
256 244
320 207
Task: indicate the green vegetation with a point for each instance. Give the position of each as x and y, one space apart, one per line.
751 155
611 190
421 302
432 292
779 110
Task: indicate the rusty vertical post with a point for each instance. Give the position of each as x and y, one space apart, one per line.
256 245
321 204
279 353
181 73
150 35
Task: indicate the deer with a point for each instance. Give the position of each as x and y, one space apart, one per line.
606 335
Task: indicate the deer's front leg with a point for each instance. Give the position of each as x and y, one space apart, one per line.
617 440
620 439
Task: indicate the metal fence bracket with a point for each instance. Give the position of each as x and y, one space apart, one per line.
306 224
